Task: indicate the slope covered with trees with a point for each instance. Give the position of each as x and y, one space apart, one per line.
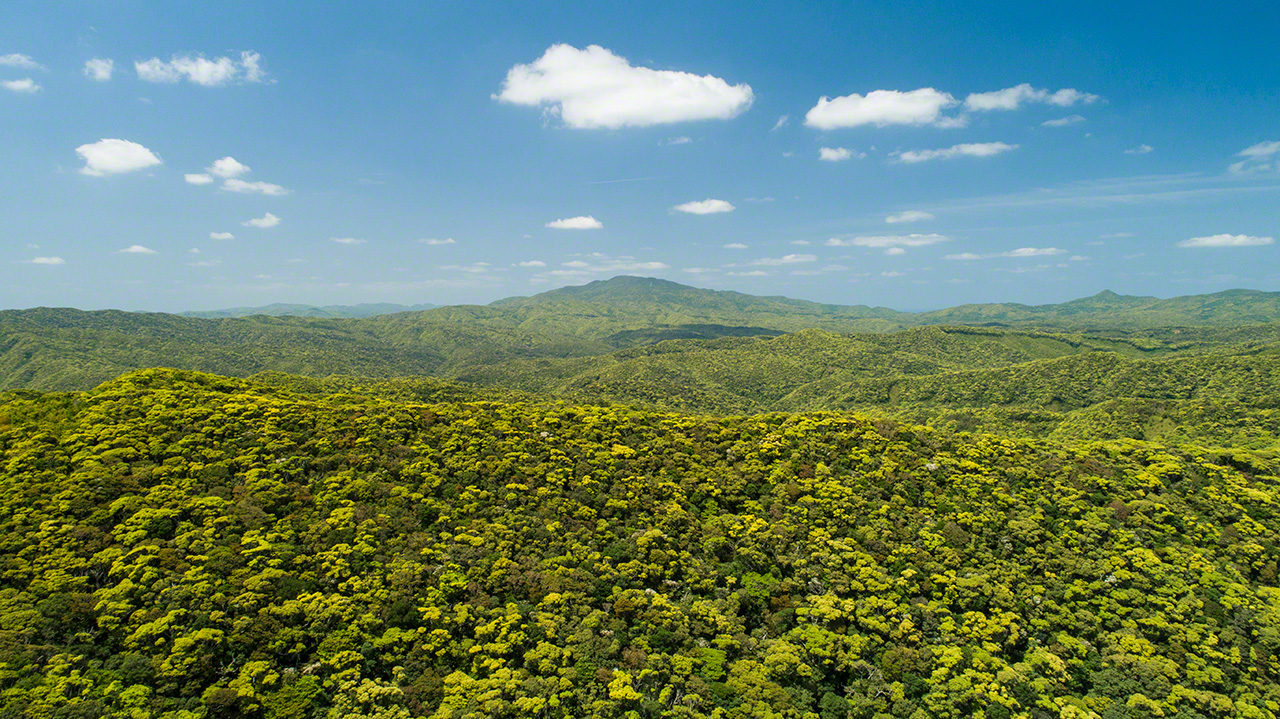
65 349
180 544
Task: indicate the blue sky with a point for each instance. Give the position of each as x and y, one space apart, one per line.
461 152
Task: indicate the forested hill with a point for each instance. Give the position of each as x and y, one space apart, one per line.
178 544
68 349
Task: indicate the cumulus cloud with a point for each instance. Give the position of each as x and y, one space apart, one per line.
202 71
531 263
677 141
1139 150
908 216
1062 121
838 154
1011 98
227 167
346 240
597 263
46 261
136 250
784 260
881 108
1227 241
781 123
1262 157
593 88
111 157
223 235
99 69
437 241
1020 252
197 178
582 222
16 59
26 85
968 149
734 246
267 220
265 188
891 244
704 207
892 273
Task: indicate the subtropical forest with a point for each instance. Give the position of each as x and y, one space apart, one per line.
639 499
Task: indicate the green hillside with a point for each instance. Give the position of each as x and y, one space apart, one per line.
178 544
66 349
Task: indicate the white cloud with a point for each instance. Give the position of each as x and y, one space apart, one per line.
781 123
582 222
99 69
594 88
346 240
197 178
785 260
1032 252
19 60
267 220
46 261
110 157
1012 98
1063 121
1227 241
677 141
265 188
136 250
968 149
892 273
437 241
735 246
597 263
891 244
531 263
908 216
227 167
801 243
838 154
704 207
749 273
1018 253
202 71
222 235
26 85
881 108
475 268
1139 150
1262 157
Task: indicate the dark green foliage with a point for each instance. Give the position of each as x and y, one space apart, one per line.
182 544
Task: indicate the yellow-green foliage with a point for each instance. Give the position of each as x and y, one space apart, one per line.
181 545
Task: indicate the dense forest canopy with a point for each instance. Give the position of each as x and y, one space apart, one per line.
181 544
640 499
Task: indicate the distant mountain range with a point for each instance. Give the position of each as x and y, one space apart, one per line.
280 309
519 340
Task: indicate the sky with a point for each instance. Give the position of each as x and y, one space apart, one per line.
916 155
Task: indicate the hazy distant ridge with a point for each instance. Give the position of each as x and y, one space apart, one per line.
282 309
